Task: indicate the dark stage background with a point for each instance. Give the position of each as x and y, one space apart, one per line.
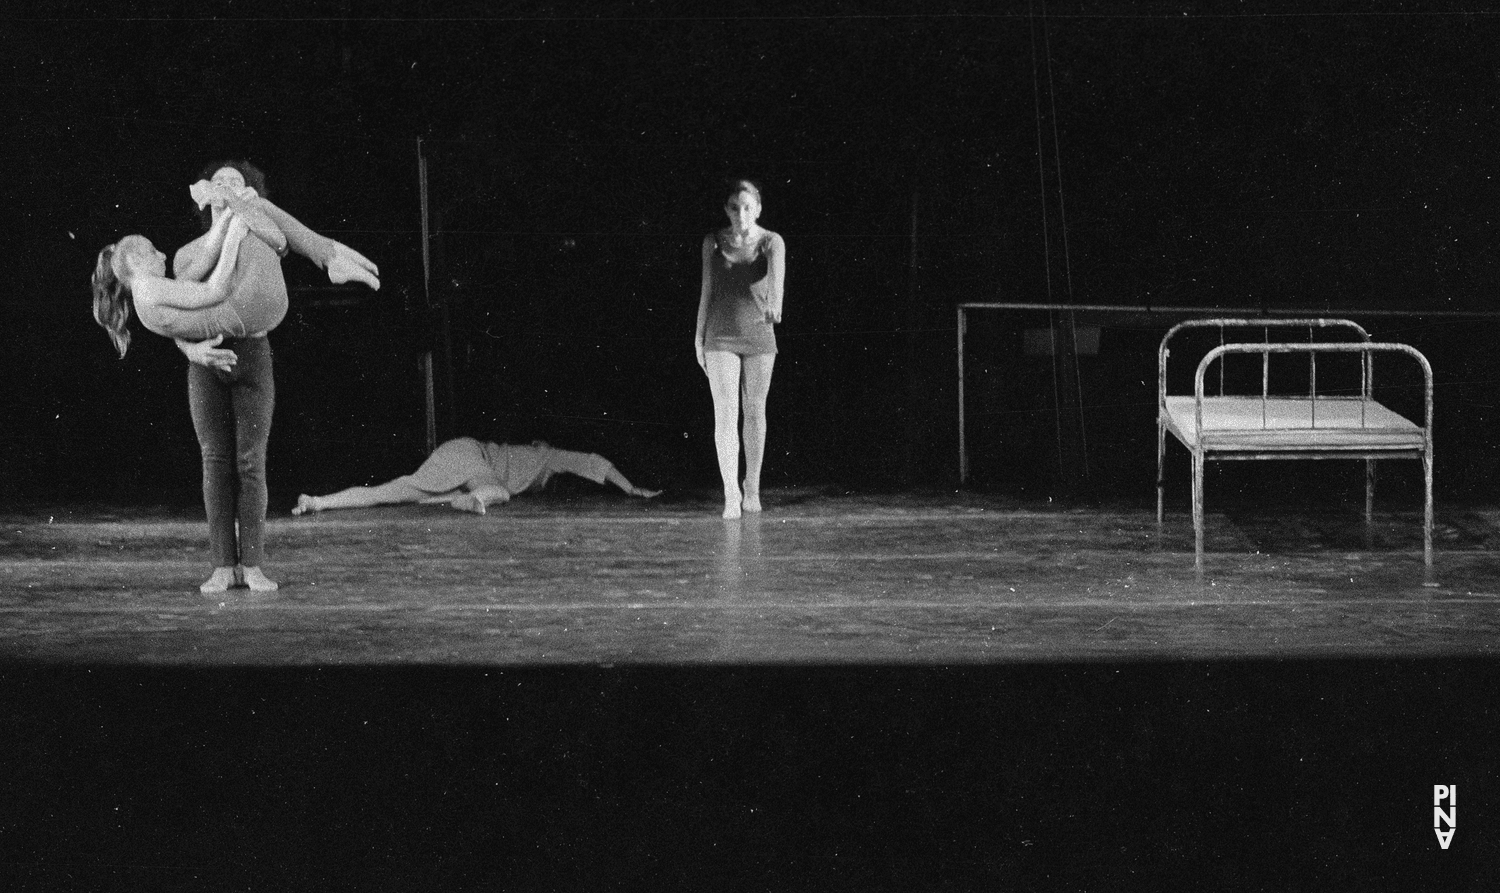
1270 154
1334 155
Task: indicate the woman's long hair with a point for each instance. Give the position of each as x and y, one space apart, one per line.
111 299
255 178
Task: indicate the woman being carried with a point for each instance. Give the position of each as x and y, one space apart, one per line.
471 475
132 273
228 285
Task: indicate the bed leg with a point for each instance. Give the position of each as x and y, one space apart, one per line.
1161 456
1198 509
1427 508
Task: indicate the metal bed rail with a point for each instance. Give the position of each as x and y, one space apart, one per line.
1164 352
1223 324
1201 454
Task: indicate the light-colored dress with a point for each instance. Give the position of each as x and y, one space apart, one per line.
466 463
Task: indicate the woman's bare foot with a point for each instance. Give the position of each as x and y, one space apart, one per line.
256 579
468 502
219 581
732 501
644 493
751 502
306 504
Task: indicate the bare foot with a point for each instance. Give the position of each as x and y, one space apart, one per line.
468 502
220 580
751 502
306 504
644 493
256 579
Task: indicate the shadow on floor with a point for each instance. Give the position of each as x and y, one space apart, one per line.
1228 776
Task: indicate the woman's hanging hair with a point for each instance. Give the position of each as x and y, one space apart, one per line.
111 300
255 178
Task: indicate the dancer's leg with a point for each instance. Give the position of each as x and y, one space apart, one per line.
254 398
400 490
209 402
756 385
724 382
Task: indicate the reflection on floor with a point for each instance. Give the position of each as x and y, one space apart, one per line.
815 580
847 693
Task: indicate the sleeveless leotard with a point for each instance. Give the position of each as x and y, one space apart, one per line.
739 295
257 301
256 304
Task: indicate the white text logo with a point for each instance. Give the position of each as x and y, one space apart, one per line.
1445 794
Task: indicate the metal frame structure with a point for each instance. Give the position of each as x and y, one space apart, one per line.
1312 442
1262 313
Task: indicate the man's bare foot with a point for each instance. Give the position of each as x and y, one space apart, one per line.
219 581
256 579
306 504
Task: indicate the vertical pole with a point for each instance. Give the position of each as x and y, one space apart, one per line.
963 449
912 323
426 359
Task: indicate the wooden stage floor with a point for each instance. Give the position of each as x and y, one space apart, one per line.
915 692
816 579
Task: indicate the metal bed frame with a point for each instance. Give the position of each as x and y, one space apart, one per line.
1374 433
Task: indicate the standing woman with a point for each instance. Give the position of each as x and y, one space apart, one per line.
231 389
744 269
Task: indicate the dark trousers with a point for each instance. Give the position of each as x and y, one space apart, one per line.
232 416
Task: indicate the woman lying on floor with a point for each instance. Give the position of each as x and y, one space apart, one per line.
470 475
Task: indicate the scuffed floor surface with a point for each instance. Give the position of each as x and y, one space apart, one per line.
817 579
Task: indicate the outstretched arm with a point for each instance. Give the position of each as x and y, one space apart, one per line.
195 295
776 272
613 476
708 254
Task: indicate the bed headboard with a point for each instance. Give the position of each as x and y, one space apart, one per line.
1265 324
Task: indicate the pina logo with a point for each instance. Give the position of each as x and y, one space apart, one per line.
1445 794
